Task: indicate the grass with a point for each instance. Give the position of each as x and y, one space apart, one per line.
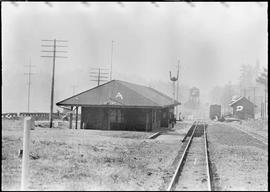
86 159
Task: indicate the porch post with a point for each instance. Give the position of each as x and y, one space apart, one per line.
81 126
70 117
76 122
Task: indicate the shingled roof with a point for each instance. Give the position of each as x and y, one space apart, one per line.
120 93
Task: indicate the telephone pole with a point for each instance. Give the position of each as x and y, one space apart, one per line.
54 51
29 83
98 75
111 61
73 89
177 93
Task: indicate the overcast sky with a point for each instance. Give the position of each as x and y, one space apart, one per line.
212 42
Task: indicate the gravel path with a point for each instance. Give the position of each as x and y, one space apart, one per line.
239 161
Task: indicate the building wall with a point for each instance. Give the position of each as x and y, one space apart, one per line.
121 118
94 118
164 117
246 112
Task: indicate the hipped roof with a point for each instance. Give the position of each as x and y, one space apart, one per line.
122 94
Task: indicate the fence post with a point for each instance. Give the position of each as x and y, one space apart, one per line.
25 157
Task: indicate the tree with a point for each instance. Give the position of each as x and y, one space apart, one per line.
263 79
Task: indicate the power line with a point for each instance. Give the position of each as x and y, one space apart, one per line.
98 75
53 68
29 83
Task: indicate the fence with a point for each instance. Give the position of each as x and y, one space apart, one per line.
35 116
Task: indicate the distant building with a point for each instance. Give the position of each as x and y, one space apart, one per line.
122 105
242 108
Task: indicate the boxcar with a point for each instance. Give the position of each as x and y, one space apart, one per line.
215 110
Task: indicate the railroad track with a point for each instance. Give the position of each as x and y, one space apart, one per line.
193 170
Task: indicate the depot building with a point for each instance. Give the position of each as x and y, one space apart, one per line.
242 108
120 105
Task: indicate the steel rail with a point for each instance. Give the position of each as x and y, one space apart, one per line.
193 124
181 162
209 180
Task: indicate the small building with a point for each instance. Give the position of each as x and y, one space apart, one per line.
119 105
242 108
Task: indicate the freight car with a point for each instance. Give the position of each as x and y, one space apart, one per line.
215 112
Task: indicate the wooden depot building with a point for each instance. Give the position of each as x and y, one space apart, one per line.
119 105
242 108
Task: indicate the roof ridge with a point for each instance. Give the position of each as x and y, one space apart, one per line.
136 91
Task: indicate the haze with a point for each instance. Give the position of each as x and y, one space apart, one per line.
210 40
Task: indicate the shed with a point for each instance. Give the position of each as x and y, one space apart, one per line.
242 108
122 105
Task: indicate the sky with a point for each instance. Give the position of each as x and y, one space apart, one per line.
211 41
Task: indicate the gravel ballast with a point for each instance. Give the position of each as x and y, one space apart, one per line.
239 161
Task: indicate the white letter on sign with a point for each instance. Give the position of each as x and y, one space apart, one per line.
239 108
119 95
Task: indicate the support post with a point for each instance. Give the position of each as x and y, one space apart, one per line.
25 157
76 122
81 126
70 120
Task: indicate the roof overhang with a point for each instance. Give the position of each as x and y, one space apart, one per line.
117 106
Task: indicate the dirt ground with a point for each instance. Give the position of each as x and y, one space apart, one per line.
239 161
64 159
257 128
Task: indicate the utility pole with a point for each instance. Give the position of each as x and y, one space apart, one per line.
111 61
173 79
29 83
177 93
53 68
73 89
98 75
